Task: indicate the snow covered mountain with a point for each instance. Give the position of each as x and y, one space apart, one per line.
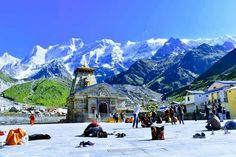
7 59
107 56
171 47
51 70
36 56
64 51
210 41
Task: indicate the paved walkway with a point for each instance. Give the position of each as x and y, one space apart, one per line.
178 143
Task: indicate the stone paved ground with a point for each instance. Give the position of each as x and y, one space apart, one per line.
178 143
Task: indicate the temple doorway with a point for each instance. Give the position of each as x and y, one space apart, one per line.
103 108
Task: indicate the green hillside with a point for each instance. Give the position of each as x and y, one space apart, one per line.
6 78
49 93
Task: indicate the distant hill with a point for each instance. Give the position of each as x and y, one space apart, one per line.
164 75
50 92
224 69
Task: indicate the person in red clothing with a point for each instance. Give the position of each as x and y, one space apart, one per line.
32 119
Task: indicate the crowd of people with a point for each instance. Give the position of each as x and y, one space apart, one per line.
175 113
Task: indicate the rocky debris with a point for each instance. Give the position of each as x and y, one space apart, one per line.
13 109
139 94
11 106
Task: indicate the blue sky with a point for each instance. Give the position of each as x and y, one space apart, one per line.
26 23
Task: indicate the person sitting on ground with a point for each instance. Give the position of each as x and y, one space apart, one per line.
213 123
94 130
145 121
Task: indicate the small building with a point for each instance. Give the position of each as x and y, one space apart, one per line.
231 95
220 84
89 100
215 94
194 99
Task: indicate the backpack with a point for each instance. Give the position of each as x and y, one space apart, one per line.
39 137
15 136
157 133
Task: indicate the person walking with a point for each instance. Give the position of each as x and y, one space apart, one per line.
136 113
194 115
32 119
181 114
172 115
116 117
122 116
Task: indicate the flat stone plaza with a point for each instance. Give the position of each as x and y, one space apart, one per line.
178 142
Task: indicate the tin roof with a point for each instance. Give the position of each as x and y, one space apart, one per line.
195 92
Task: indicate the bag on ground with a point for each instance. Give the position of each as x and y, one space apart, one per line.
39 137
157 133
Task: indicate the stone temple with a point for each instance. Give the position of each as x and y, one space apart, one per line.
89 100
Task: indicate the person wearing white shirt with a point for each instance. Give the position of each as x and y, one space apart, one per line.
136 112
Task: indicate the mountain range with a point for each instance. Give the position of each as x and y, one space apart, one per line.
224 69
107 56
160 64
178 66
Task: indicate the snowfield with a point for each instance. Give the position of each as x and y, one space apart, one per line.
178 142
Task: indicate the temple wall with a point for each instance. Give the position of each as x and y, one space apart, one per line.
92 106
